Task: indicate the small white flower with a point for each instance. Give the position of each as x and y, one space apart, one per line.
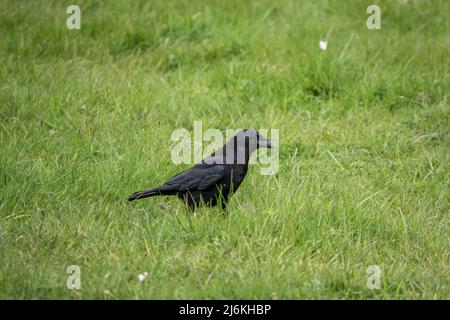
142 276
323 45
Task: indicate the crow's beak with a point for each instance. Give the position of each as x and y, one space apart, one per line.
263 143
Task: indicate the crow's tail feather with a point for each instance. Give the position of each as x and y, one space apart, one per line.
144 194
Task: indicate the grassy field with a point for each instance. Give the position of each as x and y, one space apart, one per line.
86 118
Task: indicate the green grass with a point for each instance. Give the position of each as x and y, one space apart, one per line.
86 118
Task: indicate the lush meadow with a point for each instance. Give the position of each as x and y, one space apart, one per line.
86 118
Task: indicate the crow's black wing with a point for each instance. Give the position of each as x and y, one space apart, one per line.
199 177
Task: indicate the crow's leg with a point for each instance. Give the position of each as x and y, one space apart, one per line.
189 200
224 207
191 205
224 204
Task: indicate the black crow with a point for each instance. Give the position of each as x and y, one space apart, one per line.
213 180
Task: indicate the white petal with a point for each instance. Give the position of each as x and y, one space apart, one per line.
142 276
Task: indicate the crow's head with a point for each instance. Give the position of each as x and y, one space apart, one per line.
239 148
255 138
247 141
